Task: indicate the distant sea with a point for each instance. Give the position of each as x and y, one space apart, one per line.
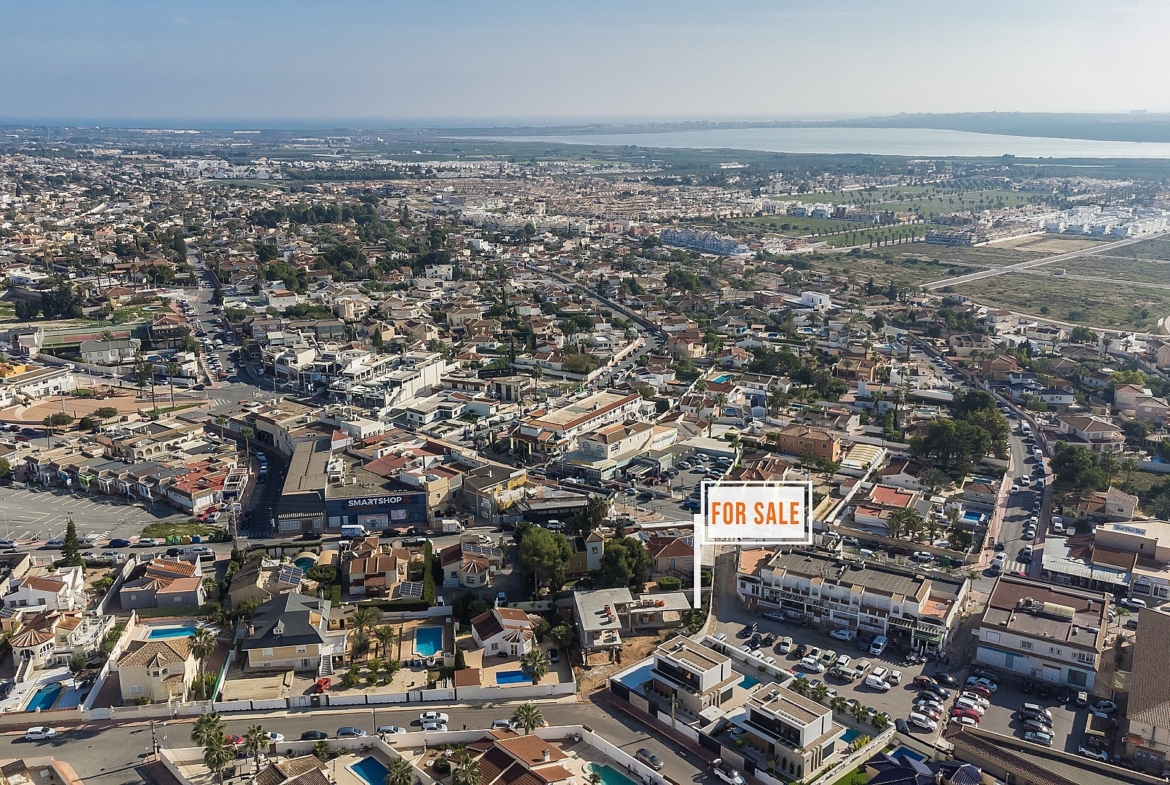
871 141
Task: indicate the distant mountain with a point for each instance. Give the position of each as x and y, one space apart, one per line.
1133 127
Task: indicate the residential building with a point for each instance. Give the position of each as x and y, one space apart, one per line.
1036 630
797 439
288 632
555 432
1095 433
61 590
160 670
110 352
690 676
796 732
1147 738
164 583
911 609
504 630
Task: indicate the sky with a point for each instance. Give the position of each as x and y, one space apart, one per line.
352 63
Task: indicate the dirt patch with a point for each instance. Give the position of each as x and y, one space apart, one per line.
1049 244
634 649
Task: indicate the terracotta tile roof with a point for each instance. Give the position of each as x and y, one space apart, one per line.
155 653
1149 697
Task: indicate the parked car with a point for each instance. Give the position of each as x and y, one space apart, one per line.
922 721
649 758
774 616
433 716
895 677
959 711
274 737
391 729
1095 754
1036 737
901 726
55 543
40 733
1081 699
349 732
812 665
314 735
843 635
873 682
436 726
922 681
947 679
979 681
1104 708
725 773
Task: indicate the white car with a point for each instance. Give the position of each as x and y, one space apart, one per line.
439 726
813 665
895 677
880 673
503 725
843 635
274 738
922 721
40 732
975 681
1015 489
391 729
1089 752
873 682
433 716
725 773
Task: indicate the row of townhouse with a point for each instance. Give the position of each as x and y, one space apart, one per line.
912 610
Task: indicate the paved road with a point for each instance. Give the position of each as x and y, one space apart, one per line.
1064 257
111 755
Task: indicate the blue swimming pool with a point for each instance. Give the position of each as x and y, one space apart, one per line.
512 677
972 517
749 683
160 633
44 698
370 770
902 752
721 379
850 735
637 677
428 641
611 776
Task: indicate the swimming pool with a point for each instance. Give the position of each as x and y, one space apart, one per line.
44 698
512 677
850 735
370 770
161 633
749 683
428 641
611 776
972 517
635 678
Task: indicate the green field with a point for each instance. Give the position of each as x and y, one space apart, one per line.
1146 249
980 255
1080 302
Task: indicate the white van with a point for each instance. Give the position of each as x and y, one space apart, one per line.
876 683
1058 527
354 531
878 647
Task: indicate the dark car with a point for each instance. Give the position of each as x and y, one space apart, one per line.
649 758
1028 686
902 726
119 543
947 679
747 631
314 735
801 650
1064 695
1044 691
938 690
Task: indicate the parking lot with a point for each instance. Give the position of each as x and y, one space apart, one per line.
1000 717
33 516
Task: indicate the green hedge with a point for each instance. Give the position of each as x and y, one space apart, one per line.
428 596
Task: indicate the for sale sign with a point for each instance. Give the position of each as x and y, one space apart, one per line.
745 512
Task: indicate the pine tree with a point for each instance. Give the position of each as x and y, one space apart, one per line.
71 553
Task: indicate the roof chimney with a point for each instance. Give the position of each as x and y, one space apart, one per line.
545 755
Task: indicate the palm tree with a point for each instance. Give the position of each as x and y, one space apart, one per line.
202 644
217 754
1129 466
255 742
399 772
859 712
528 717
207 727
222 422
800 685
535 665
365 616
247 433
172 369
720 402
838 704
466 772
385 636
819 693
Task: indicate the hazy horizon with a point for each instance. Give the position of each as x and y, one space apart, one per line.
361 64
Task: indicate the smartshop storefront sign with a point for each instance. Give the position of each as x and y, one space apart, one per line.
751 513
